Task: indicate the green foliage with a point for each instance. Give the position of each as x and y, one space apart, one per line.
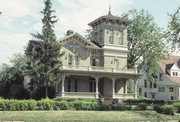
165 109
173 32
142 106
89 34
144 40
12 74
17 105
177 106
45 60
45 104
62 105
75 99
143 100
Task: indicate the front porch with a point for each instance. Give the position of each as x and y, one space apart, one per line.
94 86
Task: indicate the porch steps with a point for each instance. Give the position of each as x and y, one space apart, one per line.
107 101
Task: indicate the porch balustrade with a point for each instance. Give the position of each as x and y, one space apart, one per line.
98 69
80 94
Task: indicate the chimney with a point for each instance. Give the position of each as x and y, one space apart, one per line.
69 32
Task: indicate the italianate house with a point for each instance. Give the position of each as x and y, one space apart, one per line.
96 68
168 85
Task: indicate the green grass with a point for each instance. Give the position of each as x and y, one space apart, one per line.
84 116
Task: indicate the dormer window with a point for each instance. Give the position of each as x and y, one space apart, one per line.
111 37
120 38
175 73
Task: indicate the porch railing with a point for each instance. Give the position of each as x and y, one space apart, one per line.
93 95
98 69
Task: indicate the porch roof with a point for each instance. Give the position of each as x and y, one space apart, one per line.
100 71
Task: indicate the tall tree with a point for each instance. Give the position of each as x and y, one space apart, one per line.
12 74
144 42
173 31
45 61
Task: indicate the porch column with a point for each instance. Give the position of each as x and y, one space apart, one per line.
113 84
135 87
125 87
97 81
62 86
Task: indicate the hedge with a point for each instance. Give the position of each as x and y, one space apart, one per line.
142 106
147 101
165 109
177 106
59 104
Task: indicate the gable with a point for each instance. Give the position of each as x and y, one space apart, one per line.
74 46
79 38
175 66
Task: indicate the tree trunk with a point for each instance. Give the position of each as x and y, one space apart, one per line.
46 89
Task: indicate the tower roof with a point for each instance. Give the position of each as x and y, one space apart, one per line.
110 18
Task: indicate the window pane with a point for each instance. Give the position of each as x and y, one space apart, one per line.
120 36
69 60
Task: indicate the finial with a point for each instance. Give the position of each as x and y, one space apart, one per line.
109 9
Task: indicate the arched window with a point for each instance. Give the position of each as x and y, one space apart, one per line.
120 37
70 60
111 37
76 60
116 63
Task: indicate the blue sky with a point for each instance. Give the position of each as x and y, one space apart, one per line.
21 17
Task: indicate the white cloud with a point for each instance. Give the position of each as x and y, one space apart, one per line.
18 8
37 27
12 43
73 14
25 22
78 13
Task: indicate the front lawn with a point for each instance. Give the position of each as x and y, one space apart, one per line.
84 116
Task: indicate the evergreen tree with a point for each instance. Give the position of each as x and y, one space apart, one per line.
45 57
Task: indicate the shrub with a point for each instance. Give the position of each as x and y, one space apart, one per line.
165 109
168 109
173 101
142 100
61 105
177 106
157 108
45 104
75 99
103 107
84 105
142 106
